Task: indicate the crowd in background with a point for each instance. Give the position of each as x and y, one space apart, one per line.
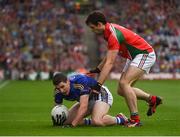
39 37
156 21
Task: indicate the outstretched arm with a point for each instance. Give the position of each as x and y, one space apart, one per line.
82 110
100 66
109 62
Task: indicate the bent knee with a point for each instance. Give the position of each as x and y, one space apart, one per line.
98 122
123 82
120 92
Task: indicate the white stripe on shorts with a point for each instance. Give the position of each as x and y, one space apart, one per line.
142 61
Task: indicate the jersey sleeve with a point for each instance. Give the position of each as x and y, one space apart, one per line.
113 43
84 88
58 99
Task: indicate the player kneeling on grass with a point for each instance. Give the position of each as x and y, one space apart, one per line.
79 88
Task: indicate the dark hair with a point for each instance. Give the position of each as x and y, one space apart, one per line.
59 77
96 17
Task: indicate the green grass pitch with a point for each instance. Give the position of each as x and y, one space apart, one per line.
25 110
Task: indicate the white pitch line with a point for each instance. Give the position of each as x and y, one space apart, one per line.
4 84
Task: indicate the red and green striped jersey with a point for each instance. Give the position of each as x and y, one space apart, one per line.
127 42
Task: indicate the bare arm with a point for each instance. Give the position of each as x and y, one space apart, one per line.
100 66
108 64
82 109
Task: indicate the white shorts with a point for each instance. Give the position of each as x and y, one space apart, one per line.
142 61
104 96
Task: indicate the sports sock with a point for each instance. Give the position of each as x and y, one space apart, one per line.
120 120
87 121
149 99
152 99
135 116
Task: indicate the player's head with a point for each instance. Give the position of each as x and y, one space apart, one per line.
96 21
61 83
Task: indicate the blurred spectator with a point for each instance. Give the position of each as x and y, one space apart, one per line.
157 21
38 37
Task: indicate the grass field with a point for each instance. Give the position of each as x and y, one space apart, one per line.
25 110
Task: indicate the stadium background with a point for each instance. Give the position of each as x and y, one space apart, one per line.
40 37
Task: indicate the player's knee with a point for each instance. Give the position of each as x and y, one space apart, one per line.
120 91
123 83
98 122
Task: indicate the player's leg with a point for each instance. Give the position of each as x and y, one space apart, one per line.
100 106
152 100
145 62
120 90
100 115
133 71
132 74
140 94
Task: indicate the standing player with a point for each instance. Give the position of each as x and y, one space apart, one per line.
140 58
79 88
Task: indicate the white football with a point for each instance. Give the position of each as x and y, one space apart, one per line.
59 114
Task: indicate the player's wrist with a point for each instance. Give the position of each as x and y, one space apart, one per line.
97 86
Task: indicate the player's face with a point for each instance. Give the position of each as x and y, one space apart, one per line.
63 87
98 29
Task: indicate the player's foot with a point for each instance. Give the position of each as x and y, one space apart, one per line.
123 118
153 103
133 123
